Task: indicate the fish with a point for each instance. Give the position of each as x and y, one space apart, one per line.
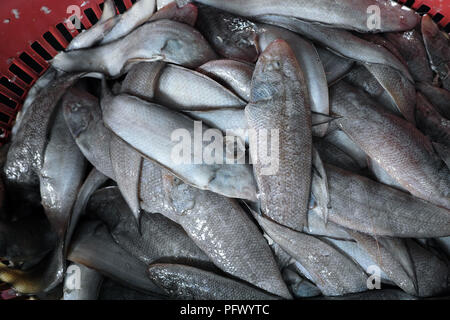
98 31
309 61
127 165
437 44
382 176
431 123
300 287
61 175
186 14
390 141
343 14
235 75
411 47
218 226
84 119
361 204
439 97
26 153
280 101
342 141
166 40
317 226
172 86
93 181
90 282
189 283
393 257
231 36
151 135
332 272
443 151
137 15
332 154
154 239
93 247
335 66
341 42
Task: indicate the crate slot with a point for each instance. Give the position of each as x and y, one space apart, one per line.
90 14
64 32
120 6
409 3
48 36
11 86
438 17
7 101
4 118
25 77
29 61
36 46
423 9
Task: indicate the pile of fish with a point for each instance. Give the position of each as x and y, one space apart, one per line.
355 120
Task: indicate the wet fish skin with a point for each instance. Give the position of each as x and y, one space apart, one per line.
127 165
335 66
437 44
138 14
318 227
61 175
411 47
189 283
393 257
309 61
89 285
362 78
332 154
431 271
231 36
342 141
172 86
439 97
382 176
153 239
342 14
443 151
383 294
93 247
187 14
218 225
156 124
395 144
340 41
280 101
84 119
26 153
159 40
355 200
93 181
300 287
235 75
431 123
332 272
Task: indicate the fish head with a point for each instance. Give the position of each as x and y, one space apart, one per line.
275 65
81 111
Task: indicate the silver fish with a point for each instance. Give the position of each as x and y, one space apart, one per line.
159 40
280 101
342 14
437 44
392 142
309 61
235 75
342 42
439 97
218 225
151 136
363 205
335 66
331 271
189 283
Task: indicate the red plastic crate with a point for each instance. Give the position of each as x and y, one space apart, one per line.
33 31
